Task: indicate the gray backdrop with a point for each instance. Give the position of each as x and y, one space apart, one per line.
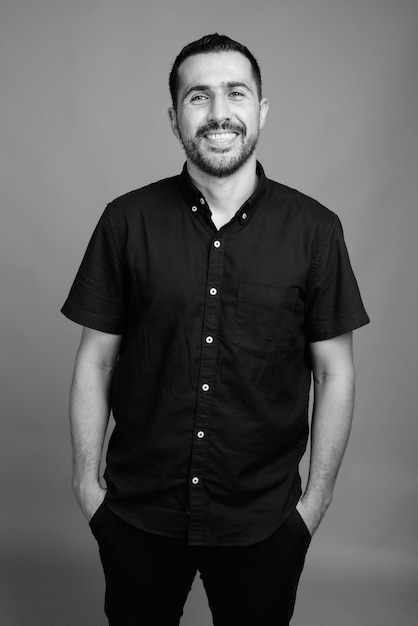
83 119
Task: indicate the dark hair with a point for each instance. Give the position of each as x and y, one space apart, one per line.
211 43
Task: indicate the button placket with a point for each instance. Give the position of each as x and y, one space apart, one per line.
206 389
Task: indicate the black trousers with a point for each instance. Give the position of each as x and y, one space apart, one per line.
148 577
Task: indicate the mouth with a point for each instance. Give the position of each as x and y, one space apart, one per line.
221 141
221 137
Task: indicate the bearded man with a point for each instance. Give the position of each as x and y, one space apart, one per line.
208 300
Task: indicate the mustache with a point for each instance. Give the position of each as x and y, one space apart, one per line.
225 126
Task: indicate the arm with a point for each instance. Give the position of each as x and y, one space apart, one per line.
333 372
89 414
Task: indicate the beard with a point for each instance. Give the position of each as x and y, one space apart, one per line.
216 161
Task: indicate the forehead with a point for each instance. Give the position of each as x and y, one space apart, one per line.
214 69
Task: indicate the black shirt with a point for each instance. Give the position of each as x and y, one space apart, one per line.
210 392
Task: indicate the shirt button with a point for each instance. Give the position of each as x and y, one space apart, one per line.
194 209
209 339
195 480
244 216
202 201
213 291
205 387
217 243
200 434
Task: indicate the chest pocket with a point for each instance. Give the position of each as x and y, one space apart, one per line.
267 318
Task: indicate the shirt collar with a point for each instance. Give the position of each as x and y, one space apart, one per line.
196 200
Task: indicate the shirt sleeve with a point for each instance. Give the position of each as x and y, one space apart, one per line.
333 305
97 296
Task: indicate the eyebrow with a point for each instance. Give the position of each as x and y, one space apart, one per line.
229 85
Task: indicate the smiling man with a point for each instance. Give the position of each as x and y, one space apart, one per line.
218 122
208 301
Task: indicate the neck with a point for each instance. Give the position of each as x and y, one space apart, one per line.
225 195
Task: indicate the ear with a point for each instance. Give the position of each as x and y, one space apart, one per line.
264 107
172 116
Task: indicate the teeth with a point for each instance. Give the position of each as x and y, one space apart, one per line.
221 136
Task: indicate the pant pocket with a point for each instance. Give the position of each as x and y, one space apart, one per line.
298 527
97 515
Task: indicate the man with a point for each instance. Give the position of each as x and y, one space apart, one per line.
208 300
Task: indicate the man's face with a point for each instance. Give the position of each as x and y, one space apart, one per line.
219 115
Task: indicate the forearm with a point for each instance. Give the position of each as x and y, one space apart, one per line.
89 416
89 413
331 424
333 372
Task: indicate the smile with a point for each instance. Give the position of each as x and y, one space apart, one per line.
221 137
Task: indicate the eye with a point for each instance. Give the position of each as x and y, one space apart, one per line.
198 98
236 94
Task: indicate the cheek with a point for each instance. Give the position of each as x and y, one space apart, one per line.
186 127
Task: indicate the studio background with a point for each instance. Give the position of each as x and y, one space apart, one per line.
83 120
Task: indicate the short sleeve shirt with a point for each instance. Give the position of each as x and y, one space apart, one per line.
210 392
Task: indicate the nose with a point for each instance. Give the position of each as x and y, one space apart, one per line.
219 111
